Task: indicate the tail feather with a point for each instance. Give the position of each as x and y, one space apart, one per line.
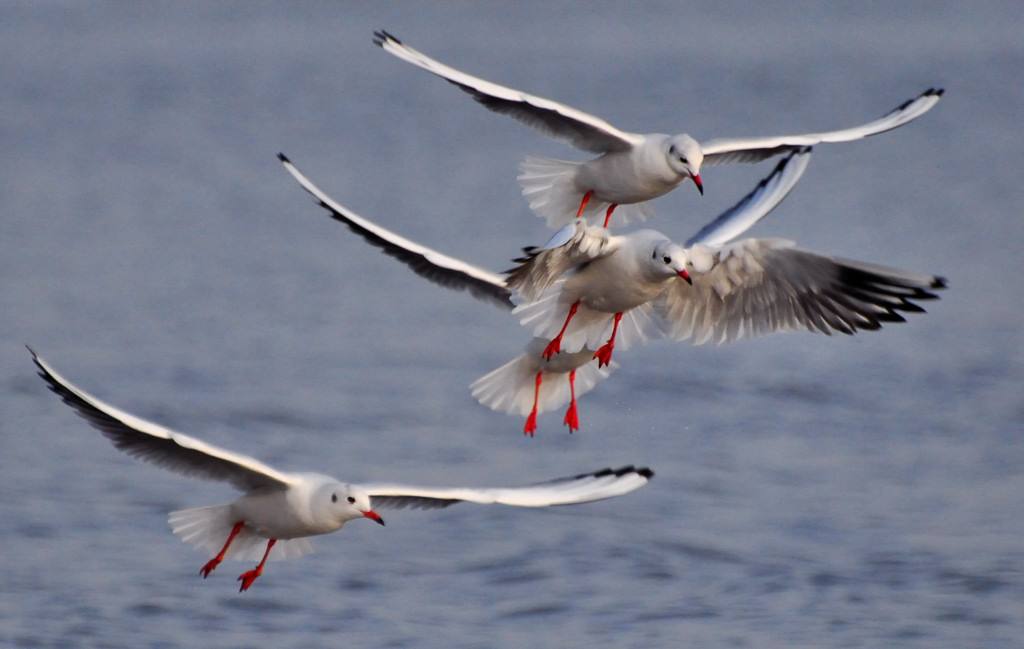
207 528
549 188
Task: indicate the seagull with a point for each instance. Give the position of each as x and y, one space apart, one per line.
645 286
531 384
610 274
631 168
283 509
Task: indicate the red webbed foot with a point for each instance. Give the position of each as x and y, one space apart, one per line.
208 568
248 577
531 424
214 562
554 347
571 419
604 355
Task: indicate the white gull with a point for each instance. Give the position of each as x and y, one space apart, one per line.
531 384
631 168
278 511
643 286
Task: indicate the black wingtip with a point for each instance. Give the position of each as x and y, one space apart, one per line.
382 35
621 471
283 158
35 359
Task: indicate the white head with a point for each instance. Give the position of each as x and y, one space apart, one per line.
337 503
685 158
668 258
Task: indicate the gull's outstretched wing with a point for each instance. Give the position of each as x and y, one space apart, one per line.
582 488
580 129
757 204
756 149
759 286
161 446
437 267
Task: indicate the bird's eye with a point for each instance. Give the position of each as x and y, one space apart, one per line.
667 259
351 500
334 498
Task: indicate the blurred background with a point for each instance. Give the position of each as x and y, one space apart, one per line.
810 490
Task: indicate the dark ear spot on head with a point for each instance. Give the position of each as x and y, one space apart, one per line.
334 498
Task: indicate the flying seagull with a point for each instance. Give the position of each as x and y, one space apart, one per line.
631 168
279 510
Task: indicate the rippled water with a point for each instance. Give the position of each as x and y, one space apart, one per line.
810 491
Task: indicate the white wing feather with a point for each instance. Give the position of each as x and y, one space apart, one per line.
435 266
163 447
759 286
582 130
586 487
755 149
756 205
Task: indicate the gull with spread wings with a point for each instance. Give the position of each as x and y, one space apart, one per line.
278 511
531 384
644 286
631 168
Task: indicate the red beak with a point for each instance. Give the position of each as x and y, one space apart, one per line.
373 516
685 275
700 185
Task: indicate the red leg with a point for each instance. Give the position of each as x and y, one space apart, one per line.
570 415
608 214
583 203
248 577
531 421
604 355
555 345
214 562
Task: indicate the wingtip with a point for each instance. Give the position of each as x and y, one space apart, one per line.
37 361
644 472
283 158
381 36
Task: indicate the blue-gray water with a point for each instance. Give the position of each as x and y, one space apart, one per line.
810 491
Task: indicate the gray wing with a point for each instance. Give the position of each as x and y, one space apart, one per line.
580 129
732 150
757 204
436 267
586 487
760 286
161 446
575 245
